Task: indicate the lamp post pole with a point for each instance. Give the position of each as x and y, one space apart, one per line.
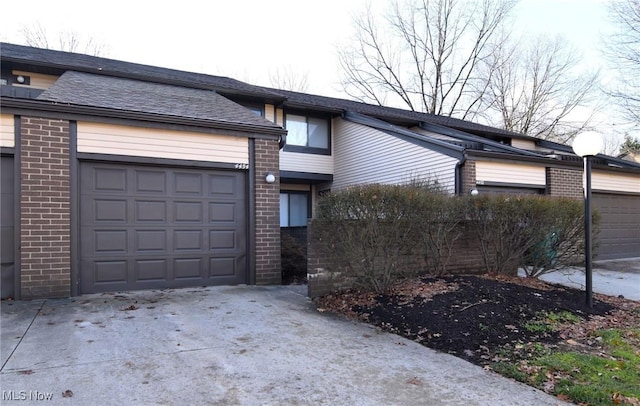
587 145
587 233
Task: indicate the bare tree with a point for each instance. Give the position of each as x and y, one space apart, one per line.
70 41
623 49
424 54
535 88
286 78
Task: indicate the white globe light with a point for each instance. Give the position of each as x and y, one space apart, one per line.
587 144
270 178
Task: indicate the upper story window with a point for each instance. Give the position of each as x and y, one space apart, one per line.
308 134
257 109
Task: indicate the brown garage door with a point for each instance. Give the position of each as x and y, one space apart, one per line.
7 268
619 235
145 227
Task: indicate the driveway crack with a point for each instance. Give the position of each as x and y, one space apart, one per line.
23 335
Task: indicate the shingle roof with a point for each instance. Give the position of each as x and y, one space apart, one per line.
227 86
129 86
456 141
111 67
304 100
86 89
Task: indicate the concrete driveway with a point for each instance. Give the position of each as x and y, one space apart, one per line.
619 277
242 345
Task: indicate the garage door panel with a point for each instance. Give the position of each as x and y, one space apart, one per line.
151 270
109 180
151 182
188 212
223 212
110 241
223 185
6 248
150 241
188 268
188 240
150 211
188 184
7 222
619 228
107 210
110 272
223 239
191 233
222 266
6 202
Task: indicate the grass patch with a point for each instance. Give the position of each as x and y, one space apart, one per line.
549 321
610 377
510 371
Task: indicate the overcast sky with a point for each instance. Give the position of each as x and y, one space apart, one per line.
251 39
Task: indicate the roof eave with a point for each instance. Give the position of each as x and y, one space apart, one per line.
258 94
568 149
440 146
475 138
43 105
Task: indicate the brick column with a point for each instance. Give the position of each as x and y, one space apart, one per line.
45 213
267 243
468 177
564 182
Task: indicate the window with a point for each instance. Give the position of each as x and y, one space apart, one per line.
294 209
308 134
257 109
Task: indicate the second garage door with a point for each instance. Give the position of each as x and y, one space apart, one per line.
145 227
619 235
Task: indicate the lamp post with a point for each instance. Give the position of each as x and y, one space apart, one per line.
587 145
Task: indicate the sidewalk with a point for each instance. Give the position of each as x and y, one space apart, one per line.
614 277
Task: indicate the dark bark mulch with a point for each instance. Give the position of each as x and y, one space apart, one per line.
472 317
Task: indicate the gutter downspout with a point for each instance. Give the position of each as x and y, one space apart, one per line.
458 176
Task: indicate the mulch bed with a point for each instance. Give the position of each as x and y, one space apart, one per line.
477 317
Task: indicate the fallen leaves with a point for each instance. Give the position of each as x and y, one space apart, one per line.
414 381
618 399
484 319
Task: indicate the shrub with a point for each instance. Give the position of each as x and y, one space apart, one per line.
375 235
559 237
370 233
537 233
502 224
439 217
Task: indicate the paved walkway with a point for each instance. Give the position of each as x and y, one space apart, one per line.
241 345
614 277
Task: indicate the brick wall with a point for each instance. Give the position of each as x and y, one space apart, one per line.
564 182
468 177
267 213
466 257
45 232
318 280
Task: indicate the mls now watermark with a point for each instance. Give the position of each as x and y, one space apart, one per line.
26 395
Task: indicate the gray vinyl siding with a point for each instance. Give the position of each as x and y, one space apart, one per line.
365 155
